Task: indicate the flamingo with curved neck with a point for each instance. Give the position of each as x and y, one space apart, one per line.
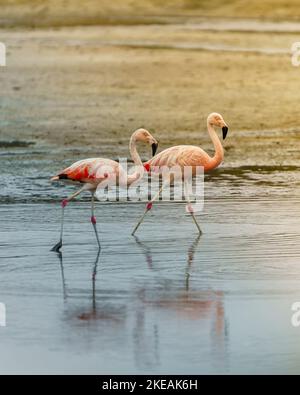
218 157
191 155
138 135
188 156
96 173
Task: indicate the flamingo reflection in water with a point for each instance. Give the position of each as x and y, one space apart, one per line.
93 313
198 309
203 305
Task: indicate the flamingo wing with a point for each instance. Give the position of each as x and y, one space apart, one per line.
182 155
192 156
165 158
88 170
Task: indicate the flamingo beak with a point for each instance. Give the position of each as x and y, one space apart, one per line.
154 148
224 131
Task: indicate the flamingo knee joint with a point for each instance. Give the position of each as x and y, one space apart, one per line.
149 206
64 203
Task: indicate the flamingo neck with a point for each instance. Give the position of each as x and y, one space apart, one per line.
133 151
219 151
137 161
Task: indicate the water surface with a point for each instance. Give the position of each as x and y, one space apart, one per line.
165 302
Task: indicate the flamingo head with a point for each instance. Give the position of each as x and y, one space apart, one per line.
217 120
146 137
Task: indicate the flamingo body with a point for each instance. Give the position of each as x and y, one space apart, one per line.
181 155
92 171
187 156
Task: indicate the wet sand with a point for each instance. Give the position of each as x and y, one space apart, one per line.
35 13
92 86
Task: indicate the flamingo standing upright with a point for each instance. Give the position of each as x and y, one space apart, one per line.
188 155
92 172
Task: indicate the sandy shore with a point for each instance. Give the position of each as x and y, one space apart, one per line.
35 13
92 86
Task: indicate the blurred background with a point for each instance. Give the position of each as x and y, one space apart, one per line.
69 12
89 73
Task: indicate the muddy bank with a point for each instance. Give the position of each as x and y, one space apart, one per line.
71 89
32 13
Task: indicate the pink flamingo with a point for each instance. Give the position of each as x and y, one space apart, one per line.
188 155
92 172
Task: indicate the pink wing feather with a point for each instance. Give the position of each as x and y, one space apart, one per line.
89 170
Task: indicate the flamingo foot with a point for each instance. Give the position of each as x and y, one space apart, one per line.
93 220
57 246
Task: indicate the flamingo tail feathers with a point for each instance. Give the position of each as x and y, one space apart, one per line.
59 177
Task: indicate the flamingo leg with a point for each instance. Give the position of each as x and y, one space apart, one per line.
64 202
190 208
93 219
149 207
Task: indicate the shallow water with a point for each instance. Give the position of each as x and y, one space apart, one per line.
167 302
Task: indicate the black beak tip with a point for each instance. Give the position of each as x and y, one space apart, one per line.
154 148
224 130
